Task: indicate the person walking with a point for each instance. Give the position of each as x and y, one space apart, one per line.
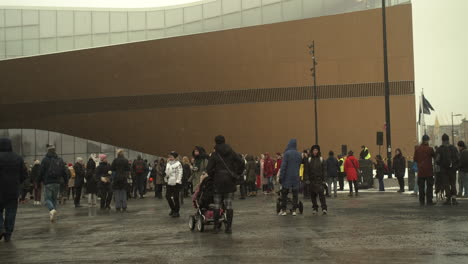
463 169
91 181
174 173
120 173
159 172
104 176
268 170
80 174
333 168
199 165
424 156
71 182
315 172
399 169
35 175
351 168
251 176
139 169
341 173
447 158
12 175
224 166
187 173
53 173
379 166
289 176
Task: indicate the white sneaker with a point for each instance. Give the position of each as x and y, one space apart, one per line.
283 213
324 212
314 212
294 213
52 214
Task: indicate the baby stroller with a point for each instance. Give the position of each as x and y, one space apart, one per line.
289 204
203 203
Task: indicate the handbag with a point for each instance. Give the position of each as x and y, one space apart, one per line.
233 175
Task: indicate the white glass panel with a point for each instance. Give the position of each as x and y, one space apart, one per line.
2 18
136 21
48 45
212 9
2 34
247 4
64 23
192 28
174 17
100 22
213 24
47 23
13 17
175 31
101 40
193 13
118 21
13 48
82 42
30 47
65 43
266 2
82 23
80 147
252 17
231 6
155 34
272 14
137 35
117 38
30 17
312 8
155 19
13 33
292 10
232 20
31 32
68 145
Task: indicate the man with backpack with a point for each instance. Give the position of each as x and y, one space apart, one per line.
52 174
447 158
139 169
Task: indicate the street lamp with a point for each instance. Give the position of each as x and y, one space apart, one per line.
453 133
387 91
314 63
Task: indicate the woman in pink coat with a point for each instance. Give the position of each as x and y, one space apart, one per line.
351 168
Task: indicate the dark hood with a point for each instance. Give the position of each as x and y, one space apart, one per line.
5 145
51 154
223 149
292 145
202 152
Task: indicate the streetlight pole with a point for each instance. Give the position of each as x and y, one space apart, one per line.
453 132
314 75
387 91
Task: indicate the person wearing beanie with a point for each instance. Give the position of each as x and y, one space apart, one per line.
333 168
447 159
463 169
103 174
224 167
139 169
423 156
120 173
199 166
315 172
351 167
174 173
399 168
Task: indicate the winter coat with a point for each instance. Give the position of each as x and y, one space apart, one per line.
80 174
380 169
278 164
447 156
332 167
399 166
463 166
91 181
289 170
351 166
223 157
423 156
47 177
71 179
158 173
199 167
102 171
315 172
186 173
120 173
12 172
268 167
35 174
250 169
174 173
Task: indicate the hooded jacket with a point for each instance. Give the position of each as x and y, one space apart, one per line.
250 169
399 165
289 171
221 164
351 167
423 156
59 176
12 171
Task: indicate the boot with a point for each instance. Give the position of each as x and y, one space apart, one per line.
216 221
229 215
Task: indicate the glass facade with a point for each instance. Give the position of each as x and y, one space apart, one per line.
31 144
29 32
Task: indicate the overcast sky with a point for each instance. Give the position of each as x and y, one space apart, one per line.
441 56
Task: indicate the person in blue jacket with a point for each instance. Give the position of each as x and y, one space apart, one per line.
289 176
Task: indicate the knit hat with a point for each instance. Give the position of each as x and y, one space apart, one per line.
50 146
445 137
220 140
174 154
102 157
425 138
70 165
317 147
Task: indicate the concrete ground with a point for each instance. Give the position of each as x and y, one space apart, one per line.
372 228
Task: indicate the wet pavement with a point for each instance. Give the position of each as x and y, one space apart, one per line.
372 228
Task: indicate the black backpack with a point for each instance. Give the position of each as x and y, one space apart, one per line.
447 157
56 169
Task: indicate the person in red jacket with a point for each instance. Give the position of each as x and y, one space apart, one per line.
424 156
351 168
268 171
279 161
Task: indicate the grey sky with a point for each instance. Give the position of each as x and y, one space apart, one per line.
441 56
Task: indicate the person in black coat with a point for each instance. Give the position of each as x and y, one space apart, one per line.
35 174
399 169
120 172
315 173
105 188
225 167
91 182
12 174
80 174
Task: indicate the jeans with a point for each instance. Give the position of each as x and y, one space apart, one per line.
120 197
449 181
330 181
51 195
425 185
271 185
316 190
7 224
464 182
284 198
381 183
172 197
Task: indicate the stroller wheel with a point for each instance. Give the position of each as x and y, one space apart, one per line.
192 222
200 225
301 207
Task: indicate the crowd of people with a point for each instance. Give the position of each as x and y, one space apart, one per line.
309 173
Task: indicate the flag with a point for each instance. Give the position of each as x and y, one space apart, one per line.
427 107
